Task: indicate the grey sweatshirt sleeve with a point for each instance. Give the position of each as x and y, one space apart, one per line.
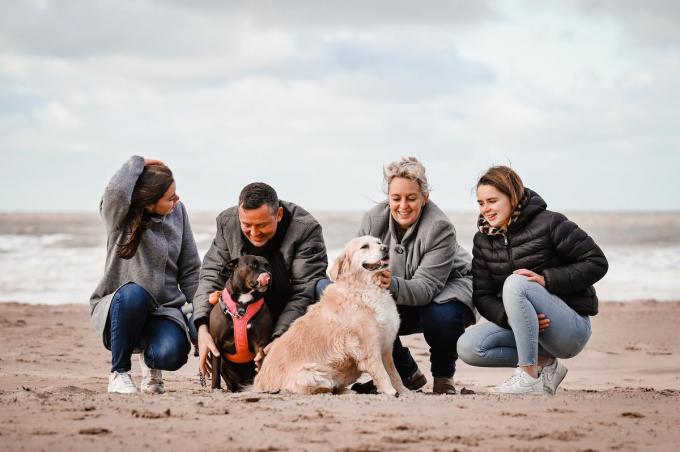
189 263
212 276
433 270
115 202
308 266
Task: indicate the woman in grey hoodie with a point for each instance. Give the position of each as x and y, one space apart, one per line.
152 267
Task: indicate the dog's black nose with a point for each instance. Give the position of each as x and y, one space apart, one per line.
383 248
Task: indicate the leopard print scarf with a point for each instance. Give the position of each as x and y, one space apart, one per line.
485 228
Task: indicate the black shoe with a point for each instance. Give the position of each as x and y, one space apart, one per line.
364 388
416 381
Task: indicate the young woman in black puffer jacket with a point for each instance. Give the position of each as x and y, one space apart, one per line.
533 275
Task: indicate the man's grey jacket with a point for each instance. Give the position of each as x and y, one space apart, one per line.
304 255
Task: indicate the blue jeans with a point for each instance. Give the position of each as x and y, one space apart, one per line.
489 345
441 324
132 327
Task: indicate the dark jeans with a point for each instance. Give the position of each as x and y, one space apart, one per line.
132 327
441 324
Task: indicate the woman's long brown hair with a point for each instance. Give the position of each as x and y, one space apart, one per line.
150 187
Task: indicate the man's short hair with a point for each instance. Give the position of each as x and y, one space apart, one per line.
256 194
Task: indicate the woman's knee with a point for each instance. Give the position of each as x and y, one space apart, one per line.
514 286
133 296
468 348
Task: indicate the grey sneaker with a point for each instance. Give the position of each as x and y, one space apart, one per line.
121 383
553 376
152 379
521 383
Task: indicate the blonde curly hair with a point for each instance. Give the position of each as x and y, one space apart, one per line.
407 168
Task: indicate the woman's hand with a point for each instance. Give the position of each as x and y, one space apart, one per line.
531 276
205 343
385 279
152 162
543 323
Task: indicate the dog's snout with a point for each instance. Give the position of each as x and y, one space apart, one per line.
383 248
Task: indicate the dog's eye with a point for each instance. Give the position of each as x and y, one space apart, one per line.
365 247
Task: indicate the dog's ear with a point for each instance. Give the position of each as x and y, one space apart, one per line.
340 266
230 266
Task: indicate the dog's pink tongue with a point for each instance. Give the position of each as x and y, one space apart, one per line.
263 279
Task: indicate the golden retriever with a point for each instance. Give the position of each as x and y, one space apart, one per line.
349 331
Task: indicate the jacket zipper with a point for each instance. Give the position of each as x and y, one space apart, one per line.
509 248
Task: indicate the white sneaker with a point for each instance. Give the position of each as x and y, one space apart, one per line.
521 383
152 379
121 383
553 376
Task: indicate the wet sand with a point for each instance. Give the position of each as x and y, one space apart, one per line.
622 393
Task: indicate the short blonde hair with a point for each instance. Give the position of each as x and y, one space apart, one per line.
407 168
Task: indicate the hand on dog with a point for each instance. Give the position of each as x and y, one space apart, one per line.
261 355
152 162
205 344
385 279
531 276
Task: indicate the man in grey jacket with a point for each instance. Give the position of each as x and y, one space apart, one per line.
284 233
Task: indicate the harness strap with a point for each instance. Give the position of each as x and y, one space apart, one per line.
230 308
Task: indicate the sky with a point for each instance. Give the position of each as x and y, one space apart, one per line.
581 98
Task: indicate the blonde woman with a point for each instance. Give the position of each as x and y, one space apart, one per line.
429 273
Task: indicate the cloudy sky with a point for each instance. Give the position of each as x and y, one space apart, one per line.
582 98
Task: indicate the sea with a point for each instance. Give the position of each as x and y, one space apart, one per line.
57 258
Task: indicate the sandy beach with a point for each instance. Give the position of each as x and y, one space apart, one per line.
621 393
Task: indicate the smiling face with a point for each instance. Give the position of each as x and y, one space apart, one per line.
494 205
406 201
259 225
167 203
364 253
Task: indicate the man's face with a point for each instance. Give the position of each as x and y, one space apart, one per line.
259 225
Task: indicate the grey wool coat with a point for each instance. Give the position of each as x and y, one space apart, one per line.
304 255
166 263
428 265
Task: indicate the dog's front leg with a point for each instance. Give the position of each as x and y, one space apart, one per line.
373 365
216 372
388 362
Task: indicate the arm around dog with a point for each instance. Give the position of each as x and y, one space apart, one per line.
308 265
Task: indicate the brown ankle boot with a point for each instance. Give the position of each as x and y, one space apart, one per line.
416 381
443 385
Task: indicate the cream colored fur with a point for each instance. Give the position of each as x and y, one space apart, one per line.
349 331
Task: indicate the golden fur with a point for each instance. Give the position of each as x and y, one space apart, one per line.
349 331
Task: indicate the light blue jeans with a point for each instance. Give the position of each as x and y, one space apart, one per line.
489 345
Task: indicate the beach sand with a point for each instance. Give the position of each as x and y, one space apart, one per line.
622 393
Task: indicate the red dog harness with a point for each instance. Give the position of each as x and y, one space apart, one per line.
241 319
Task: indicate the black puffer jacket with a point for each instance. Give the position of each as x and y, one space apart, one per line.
544 242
